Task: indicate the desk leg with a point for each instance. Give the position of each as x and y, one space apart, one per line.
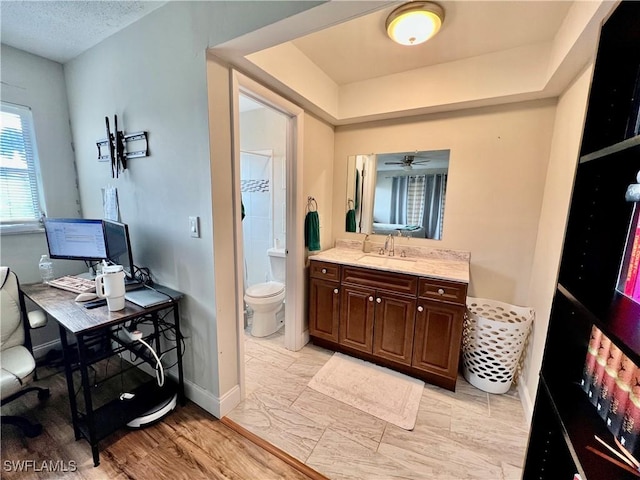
88 405
66 358
176 322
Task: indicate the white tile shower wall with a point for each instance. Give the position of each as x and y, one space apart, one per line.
256 188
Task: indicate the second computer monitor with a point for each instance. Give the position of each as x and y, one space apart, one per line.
116 237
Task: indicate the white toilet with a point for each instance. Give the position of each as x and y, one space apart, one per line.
267 299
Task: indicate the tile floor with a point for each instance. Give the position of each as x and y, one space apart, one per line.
469 434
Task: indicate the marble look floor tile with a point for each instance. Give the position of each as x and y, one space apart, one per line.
432 468
339 457
447 455
498 440
265 376
282 427
466 434
280 358
354 424
508 409
466 396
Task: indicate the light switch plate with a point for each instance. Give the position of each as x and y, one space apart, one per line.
194 227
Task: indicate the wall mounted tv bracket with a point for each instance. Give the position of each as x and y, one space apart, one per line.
115 142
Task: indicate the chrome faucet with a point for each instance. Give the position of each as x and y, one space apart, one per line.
389 245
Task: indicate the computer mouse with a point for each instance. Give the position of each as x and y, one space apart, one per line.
85 297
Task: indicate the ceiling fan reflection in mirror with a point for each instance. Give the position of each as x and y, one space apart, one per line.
408 161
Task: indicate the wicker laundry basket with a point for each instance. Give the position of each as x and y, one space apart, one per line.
494 338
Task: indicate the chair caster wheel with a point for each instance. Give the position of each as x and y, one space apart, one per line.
32 431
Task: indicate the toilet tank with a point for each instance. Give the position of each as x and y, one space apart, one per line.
277 264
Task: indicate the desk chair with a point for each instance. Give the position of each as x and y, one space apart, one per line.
16 355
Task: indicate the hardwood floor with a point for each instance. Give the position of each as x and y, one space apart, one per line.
188 444
467 434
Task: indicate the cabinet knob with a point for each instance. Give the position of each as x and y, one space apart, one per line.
335 290
378 300
371 299
324 270
421 308
441 291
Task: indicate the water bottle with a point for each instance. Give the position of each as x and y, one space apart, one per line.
46 269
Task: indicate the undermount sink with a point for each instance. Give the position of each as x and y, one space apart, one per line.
386 261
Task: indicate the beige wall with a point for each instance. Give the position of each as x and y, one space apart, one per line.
318 173
567 135
497 175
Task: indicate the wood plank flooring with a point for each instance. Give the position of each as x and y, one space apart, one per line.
188 444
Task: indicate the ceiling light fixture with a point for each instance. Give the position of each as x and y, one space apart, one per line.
414 22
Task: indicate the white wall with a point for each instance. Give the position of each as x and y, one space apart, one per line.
38 83
565 147
496 181
153 76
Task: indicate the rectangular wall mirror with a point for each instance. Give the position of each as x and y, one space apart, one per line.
400 193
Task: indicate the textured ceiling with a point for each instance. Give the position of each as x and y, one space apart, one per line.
61 30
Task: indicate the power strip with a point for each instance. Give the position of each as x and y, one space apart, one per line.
132 335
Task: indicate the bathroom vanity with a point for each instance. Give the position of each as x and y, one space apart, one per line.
402 312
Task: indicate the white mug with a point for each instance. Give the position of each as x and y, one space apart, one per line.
110 285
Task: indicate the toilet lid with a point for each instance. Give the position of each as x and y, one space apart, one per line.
264 290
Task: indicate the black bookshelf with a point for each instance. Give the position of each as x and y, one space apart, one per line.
565 423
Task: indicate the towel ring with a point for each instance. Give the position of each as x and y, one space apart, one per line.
350 204
312 205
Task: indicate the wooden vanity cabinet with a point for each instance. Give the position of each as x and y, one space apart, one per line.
324 300
405 322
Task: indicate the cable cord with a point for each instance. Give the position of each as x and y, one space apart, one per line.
159 368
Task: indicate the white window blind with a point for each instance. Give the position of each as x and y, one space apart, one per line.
19 195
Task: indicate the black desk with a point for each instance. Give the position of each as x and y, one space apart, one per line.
87 325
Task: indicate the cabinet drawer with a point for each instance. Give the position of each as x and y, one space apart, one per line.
324 270
380 280
442 290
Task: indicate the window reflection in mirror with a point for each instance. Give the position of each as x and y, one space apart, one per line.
397 193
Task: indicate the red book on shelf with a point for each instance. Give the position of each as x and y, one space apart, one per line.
632 269
614 363
601 364
590 361
628 376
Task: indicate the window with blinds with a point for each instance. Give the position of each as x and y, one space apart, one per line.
415 199
20 207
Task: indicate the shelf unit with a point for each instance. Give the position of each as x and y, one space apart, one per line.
595 253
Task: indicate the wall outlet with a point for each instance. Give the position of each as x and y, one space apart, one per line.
194 227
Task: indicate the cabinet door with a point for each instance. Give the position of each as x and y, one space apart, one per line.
393 327
357 309
438 335
324 309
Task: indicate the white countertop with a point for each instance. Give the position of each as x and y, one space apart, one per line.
436 263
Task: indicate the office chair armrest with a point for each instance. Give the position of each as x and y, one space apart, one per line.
37 318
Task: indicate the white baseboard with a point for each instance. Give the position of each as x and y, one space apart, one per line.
218 407
40 351
527 402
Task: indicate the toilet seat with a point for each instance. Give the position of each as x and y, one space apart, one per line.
265 290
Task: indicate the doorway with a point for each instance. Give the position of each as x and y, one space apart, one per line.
296 335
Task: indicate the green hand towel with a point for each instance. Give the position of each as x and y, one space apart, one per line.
312 231
350 221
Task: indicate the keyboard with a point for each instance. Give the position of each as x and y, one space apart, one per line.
74 284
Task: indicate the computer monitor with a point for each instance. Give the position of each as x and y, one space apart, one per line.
75 238
116 236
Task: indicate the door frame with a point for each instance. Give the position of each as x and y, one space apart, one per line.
296 335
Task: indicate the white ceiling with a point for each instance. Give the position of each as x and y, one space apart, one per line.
350 51
359 49
61 30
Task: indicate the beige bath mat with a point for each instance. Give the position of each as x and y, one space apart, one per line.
378 391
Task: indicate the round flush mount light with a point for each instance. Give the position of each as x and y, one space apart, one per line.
414 22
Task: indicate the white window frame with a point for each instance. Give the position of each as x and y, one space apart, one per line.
31 154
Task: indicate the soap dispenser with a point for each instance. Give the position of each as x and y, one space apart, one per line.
366 244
